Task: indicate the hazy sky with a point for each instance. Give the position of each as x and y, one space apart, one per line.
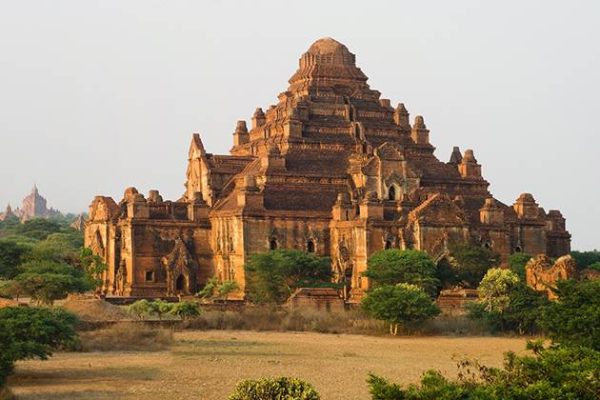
96 96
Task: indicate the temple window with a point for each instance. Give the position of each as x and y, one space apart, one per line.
310 246
518 249
149 276
388 244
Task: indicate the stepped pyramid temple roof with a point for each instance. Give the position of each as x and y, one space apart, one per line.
331 168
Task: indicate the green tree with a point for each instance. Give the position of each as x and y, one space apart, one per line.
27 332
495 288
159 307
393 266
585 258
37 228
12 253
274 389
575 317
45 282
93 265
272 277
185 310
399 304
59 247
139 308
467 265
517 262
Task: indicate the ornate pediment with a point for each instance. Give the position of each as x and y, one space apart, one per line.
389 152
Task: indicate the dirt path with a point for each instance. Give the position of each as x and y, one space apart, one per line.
207 365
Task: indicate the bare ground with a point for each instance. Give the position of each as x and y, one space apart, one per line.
206 365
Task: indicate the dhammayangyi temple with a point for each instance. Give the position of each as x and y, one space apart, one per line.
332 169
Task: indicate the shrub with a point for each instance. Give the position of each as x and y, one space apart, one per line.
160 308
561 373
517 262
274 389
399 304
468 264
393 266
185 309
139 308
495 288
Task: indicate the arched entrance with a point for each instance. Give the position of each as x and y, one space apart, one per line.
180 283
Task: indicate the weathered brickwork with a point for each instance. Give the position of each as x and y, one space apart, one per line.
333 169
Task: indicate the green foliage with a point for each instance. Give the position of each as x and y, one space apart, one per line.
185 309
160 308
575 317
495 288
272 277
467 265
595 266
393 266
32 333
12 253
586 258
93 265
218 290
521 315
46 281
517 262
274 389
37 228
139 308
399 304
561 373
59 247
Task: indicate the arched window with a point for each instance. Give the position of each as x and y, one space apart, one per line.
388 244
518 249
310 246
273 244
392 193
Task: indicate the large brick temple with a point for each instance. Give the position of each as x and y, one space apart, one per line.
332 169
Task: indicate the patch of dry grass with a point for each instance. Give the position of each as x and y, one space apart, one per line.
92 309
207 365
126 336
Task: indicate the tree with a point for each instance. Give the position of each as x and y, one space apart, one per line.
186 310
27 332
467 265
393 266
399 304
49 281
575 317
12 253
272 277
517 262
495 288
159 307
585 258
139 308
274 389
93 265
37 228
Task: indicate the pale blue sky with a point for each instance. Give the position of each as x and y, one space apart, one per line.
99 95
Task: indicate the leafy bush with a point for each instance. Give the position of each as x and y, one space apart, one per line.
586 258
160 308
575 317
399 304
495 288
139 308
218 290
393 266
272 277
561 373
185 309
274 389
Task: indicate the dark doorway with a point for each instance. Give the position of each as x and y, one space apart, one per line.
392 193
310 246
388 244
180 283
273 244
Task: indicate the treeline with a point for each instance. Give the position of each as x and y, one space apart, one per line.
44 259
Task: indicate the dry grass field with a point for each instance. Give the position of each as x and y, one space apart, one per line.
205 365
